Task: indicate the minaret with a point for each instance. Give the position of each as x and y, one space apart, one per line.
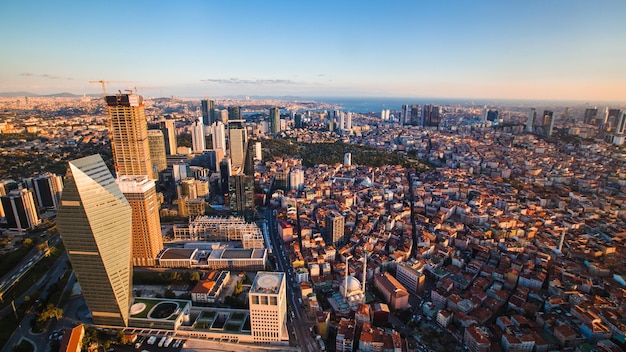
345 280
364 271
561 241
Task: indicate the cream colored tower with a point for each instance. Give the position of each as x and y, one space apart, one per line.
140 192
268 307
94 221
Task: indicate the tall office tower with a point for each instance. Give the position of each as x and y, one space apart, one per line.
168 127
548 122
611 119
197 137
274 120
404 118
530 122
218 135
234 113
415 118
620 124
268 307
258 155
296 179
241 195
129 134
6 186
492 115
297 121
349 121
483 117
590 116
341 118
208 111
238 142
156 143
347 159
95 222
225 172
606 115
335 223
179 171
20 211
47 190
140 192
223 116
431 116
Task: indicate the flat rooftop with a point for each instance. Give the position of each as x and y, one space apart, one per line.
267 282
178 253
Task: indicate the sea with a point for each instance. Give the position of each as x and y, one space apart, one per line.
376 104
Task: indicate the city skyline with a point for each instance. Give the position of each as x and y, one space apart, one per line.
495 50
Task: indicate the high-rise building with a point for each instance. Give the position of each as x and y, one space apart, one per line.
348 126
140 192
347 159
611 119
208 111
274 120
590 116
335 223
258 155
404 118
238 142
297 121
168 127
129 134
296 179
218 135
268 307
197 137
234 113
620 125
47 190
156 143
430 116
492 115
241 195
95 222
548 122
225 167
415 118
530 122
20 211
6 186
483 118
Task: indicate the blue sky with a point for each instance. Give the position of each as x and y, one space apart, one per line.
554 49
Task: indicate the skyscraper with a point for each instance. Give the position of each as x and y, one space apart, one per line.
590 116
20 211
405 118
238 141
47 190
156 143
268 307
548 122
129 134
168 127
274 120
234 113
197 137
208 111
530 122
241 195
415 119
218 135
348 121
430 116
140 192
95 222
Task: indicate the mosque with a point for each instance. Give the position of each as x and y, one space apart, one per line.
351 289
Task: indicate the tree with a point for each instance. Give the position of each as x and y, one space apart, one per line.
51 311
194 277
28 242
238 288
122 338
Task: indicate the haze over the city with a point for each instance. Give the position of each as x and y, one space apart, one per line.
571 50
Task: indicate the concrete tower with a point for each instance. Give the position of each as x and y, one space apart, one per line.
129 134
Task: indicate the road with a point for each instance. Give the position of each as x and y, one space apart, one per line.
297 323
23 330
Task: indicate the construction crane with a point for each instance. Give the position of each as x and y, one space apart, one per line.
104 83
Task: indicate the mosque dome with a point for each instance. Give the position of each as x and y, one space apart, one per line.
354 285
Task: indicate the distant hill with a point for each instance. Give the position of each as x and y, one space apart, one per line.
28 94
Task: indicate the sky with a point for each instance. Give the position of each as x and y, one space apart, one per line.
532 49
